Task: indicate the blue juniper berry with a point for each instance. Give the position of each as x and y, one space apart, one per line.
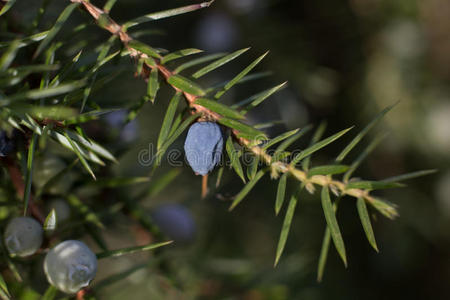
175 221
203 146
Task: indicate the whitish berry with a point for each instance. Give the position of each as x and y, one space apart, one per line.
70 266
203 146
23 236
175 221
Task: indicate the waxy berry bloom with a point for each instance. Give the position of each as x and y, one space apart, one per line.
203 146
70 266
23 236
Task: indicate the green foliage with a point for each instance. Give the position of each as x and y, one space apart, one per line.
4 292
218 63
327 170
166 14
365 221
239 76
179 54
50 221
55 29
124 251
332 224
139 46
173 136
286 224
197 61
281 192
233 154
29 173
51 112
245 130
247 188
257 99
325 248
186 85
153 85
219 108
7 6
50 293
317 146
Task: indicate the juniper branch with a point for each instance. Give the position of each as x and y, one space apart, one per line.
276 167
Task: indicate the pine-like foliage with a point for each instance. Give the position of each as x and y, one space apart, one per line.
46 96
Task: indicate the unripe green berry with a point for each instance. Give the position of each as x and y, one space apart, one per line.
62 209
70 266
23 236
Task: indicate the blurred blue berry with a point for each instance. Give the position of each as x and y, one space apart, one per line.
175 221
6 145
203 146
128 132
216 32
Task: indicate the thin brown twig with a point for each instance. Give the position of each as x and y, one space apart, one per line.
204 186
19 185
80 294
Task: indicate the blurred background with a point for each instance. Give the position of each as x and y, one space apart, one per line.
344 62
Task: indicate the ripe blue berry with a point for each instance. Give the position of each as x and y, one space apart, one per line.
23 236
203 146
175 221
70 266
